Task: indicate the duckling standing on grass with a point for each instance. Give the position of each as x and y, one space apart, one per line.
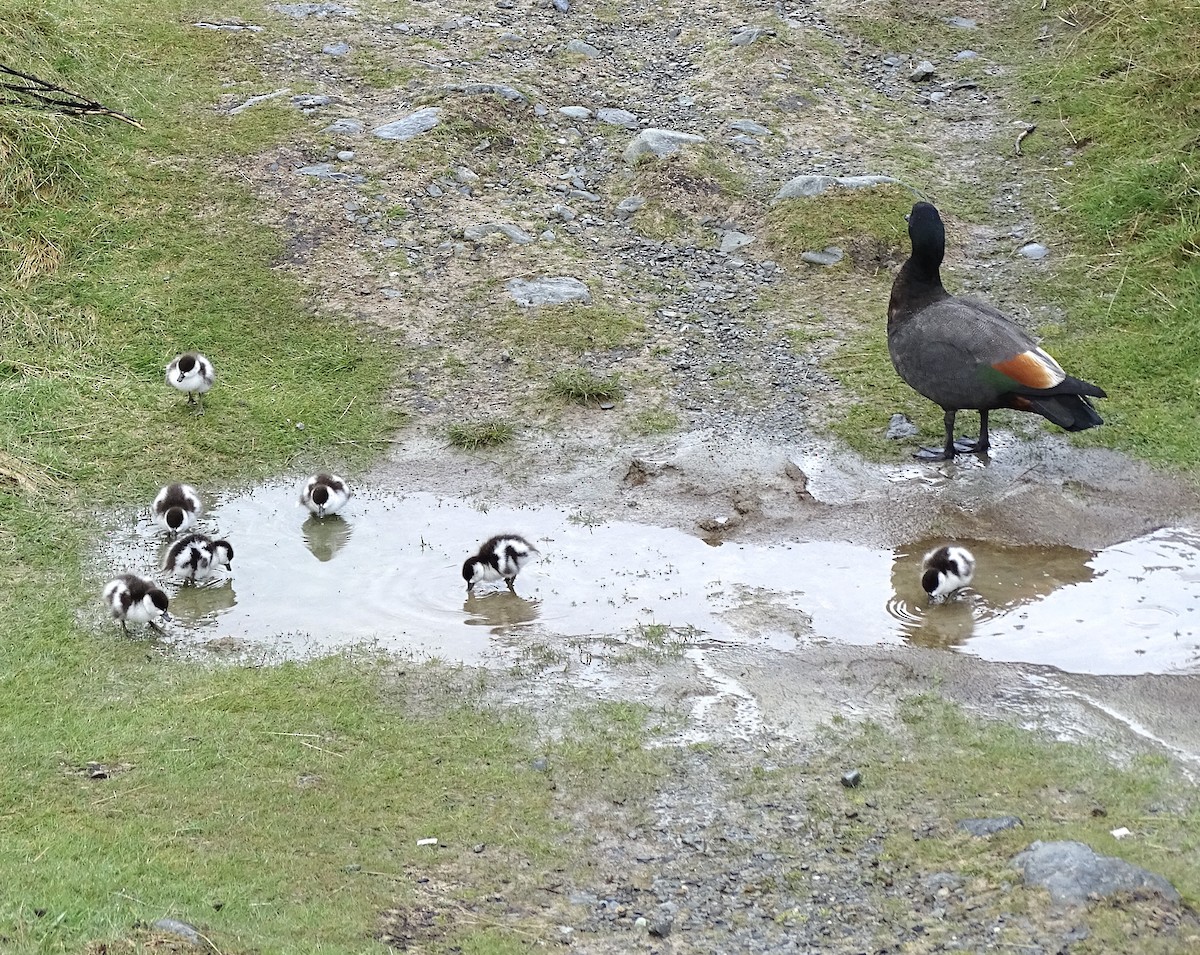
135 598
500 558
325 494
197 557
945 571
192 373
960 353
176 508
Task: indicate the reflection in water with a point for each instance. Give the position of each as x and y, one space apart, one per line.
501 611
324 537
203 601
1005 578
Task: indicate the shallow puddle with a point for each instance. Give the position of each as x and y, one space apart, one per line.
387 572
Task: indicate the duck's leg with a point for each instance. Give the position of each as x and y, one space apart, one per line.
947 452
200 404
124 629
979 446
509 581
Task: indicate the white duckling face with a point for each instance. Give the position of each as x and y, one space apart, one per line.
475 571
222 554
151 609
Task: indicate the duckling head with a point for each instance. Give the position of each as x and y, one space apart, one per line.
222 554
186 364
320 497
175 518
155 604
471 572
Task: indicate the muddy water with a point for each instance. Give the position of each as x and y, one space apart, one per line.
387 573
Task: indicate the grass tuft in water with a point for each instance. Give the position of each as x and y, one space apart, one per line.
584 387
480 433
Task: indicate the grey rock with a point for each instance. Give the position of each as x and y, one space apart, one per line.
1034 250
900 427
311 101
966 55
345 155
1072 872
547 291
732 240
389 243
301 10
922 71
465 175
987 827
865 182
963 23
629 205
434 190
937 96
540 109
182 929
657 143
541 764
830 255
584 195
750 127
255 100
340 48
229 27
402 27
562 6
512 39
346 127
548 236
477 233
410 126
565 213
487 89
582 48
576 112
327 171
748 35
616 117
852 779
804 186
895 61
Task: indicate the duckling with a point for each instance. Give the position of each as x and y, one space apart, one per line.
325 494
196 557
135 598
500 558
176 508
191 372
946 570
963 354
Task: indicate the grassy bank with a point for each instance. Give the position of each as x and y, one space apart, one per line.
275 809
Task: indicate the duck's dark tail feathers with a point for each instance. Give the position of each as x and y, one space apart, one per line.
1069 412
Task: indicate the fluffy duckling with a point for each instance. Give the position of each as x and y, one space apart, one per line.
500 558
135 598
325 494
946 570
192 373
197 557
963 354
176 508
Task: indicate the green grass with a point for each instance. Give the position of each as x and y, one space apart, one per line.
657 420
1120 104
849 218
480 433
584 387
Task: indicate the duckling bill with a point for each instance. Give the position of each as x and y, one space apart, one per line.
962 354
499 558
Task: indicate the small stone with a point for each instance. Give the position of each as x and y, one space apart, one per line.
547 291
336 49
465 175
805 186
963 23
182 929
1034 250
478 847
629 205
852 779
576 112
540 764
299 425
562 6
987 827
410 126
428 841
657 143
616 117
748 35
389 243
310 100
732 240
301 10
1072 872
938 96
900 427
345 155
565 213
922 71
831 255
966 55
582 48
349 127
641 922
750 127
660 927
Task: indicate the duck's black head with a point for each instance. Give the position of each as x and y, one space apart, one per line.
320 494
175 518
928 236
159 599
187 363
930 580
469 571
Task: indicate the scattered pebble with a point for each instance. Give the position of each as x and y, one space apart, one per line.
410 126
900 427
336 49
922 71
852 779
987 827
1034 250
830 255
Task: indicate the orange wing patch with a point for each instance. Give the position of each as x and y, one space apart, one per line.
1033 369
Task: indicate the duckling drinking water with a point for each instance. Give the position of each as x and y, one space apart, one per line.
176 508
135 598
325 494
946 570
500 558
197 557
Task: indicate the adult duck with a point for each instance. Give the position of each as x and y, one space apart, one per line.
967 355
